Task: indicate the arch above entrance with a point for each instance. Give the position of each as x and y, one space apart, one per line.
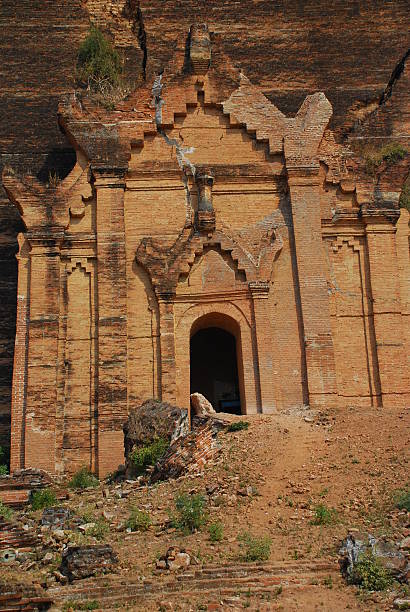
232 319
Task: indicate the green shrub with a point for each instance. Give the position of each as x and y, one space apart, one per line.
216 531
238 426
390 154
148 455
81 605
139 520
98 63
402 500
254 548
3 470
83 479
44 498
99 529
190 513
324 515
5 511
369 574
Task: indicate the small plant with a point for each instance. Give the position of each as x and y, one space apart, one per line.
324 515
254 548
238 426
402 500
216 531
5 512
369 574
99 530
53 179
139 520
83 479
81 605
148 455
45 498
328 582
389 154
98 63
190 513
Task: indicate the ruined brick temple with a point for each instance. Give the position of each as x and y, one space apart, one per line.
204 241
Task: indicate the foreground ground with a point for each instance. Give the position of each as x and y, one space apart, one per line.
269 480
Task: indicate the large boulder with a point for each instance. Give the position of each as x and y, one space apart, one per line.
153 420
84 561
388 554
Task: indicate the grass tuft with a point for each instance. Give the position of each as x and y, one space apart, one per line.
216 531
190 513
44 498
148 455
238 426
83 479
5 512
324 515
139 520
254 548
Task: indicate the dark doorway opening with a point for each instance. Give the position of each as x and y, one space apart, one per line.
214 369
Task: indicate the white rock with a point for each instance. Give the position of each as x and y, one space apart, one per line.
200 405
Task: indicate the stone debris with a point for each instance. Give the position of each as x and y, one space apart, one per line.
84 561
56 517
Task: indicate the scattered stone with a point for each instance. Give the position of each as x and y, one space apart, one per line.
200 406
56 517
246 491
59 534
401 604
48 557
86 527
174 559
405 543
84 561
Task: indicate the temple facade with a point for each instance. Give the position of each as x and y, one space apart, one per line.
202 242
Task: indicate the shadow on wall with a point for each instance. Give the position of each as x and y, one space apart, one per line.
57 165
10 226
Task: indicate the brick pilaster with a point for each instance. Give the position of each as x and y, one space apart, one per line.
320 364
111 317
260 294
381 245
19 385
42 358
167 344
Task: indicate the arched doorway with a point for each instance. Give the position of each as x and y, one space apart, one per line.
214 368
